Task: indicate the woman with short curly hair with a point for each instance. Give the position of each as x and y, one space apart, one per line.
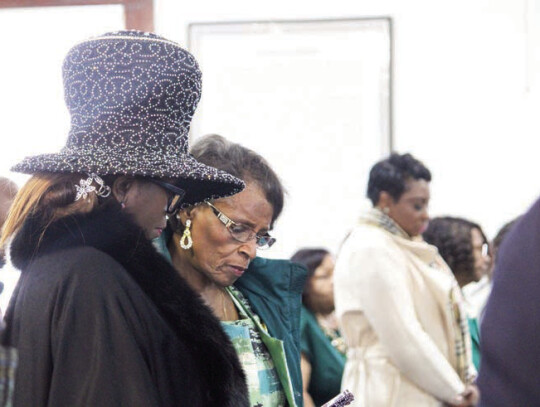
399 306
464 247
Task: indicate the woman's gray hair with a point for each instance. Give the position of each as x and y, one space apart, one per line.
243 163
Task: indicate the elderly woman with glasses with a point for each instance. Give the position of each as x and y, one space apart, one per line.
214 247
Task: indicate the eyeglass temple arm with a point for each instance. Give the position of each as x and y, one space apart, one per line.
224 219
221 216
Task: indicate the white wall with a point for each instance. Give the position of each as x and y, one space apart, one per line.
34 42
290 85
466 89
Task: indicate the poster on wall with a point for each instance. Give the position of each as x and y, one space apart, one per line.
313 98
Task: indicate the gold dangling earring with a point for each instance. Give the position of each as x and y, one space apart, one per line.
186 241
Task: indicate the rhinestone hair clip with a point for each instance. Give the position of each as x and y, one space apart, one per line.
85 187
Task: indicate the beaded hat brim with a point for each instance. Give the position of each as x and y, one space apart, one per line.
131 96
201 182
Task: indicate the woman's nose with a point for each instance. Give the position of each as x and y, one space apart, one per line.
249 249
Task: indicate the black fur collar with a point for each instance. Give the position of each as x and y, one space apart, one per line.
112 231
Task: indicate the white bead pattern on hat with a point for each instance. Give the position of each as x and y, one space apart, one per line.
131 97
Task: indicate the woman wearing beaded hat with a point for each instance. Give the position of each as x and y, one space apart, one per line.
214 247
99 317
398 304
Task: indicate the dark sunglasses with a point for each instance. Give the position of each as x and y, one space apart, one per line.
175 195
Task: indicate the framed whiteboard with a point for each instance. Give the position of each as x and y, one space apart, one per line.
315 99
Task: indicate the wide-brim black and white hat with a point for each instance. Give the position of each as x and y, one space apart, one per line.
131 96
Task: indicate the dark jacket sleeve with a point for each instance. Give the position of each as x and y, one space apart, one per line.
91 319
510 331
274 291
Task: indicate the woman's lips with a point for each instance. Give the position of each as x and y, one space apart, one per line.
237 270
159 231
423 228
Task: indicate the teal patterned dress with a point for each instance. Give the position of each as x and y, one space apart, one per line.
264 386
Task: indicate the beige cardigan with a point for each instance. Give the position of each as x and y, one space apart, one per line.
392 300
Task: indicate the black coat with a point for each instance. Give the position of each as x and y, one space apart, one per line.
101 319
510 331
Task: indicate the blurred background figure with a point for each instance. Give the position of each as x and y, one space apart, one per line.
323 349
8 190
406 345
464 247
510 329
477 294
8 275
497 241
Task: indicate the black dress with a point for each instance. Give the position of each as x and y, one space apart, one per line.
101 319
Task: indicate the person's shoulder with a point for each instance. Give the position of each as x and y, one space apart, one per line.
305 314
369 235
370 240
263 263
306 317
84 266
472 289
368 253
278 273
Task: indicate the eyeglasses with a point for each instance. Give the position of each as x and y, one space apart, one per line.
243 233
175 195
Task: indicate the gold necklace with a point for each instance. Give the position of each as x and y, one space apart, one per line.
336 340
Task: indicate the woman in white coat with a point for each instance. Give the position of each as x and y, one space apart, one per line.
398 304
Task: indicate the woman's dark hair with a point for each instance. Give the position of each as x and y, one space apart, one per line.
243 163
49 196
311 258
452 236
392 173
501 234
